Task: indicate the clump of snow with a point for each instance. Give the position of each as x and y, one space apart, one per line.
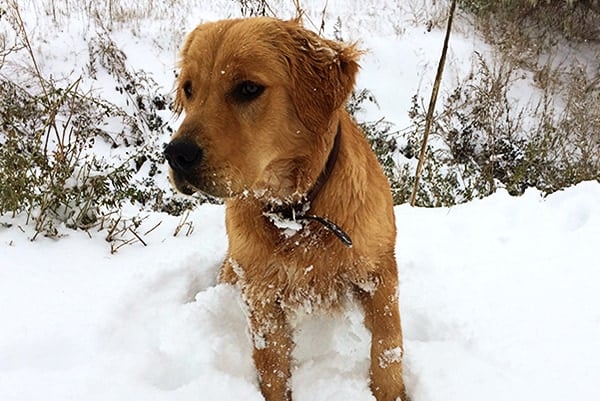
390 356
288 227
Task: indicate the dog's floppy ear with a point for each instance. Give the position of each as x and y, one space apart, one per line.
322 71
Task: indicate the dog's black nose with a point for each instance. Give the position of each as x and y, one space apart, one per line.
182 154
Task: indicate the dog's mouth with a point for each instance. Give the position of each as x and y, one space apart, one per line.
187 189
207 184
181 183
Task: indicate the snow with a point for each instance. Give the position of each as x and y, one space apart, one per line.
511 293
499 297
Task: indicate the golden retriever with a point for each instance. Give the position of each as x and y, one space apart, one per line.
309 213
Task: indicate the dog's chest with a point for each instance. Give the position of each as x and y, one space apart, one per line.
302 266
303 275
312 286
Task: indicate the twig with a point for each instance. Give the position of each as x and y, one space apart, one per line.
153 228
13 4
322 27
138 237
114 248
299 10
182 222
190 229
111 231
434 94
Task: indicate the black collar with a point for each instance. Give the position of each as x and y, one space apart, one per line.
299 210
329 165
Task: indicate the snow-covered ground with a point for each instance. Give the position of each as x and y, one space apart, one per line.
499 300
499 297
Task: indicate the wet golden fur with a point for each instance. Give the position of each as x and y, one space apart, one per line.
271 151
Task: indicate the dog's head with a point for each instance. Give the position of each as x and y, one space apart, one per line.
259 97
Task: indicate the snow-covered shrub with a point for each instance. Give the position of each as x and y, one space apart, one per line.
482 139
491 141
45 169
575 19
397 152
553 142
52 132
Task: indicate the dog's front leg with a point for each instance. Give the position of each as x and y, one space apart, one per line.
272 348
382 318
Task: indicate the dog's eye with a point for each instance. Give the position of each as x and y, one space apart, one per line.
247 91
187 89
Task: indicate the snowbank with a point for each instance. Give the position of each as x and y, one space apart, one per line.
499 300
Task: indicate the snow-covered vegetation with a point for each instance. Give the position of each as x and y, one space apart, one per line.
116 297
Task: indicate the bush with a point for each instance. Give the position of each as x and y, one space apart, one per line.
397 152
49 168
483 140
44 168
490 141
574 19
